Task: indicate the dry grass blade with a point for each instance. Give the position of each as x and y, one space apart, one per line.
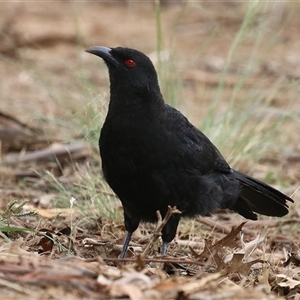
96 190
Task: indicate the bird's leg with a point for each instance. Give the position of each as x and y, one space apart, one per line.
131 225
165 247
169 232
126 244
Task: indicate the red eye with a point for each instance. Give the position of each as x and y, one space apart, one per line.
130 63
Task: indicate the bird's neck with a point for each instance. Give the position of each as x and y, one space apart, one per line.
141 100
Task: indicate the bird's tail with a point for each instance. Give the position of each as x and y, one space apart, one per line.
258 197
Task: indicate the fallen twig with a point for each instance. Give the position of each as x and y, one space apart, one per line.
54 152
161 224
149 260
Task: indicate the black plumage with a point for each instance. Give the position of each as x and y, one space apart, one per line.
152 156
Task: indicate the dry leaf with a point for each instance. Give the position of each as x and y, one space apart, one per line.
237 265
287 281
227 241
247 248
294 258
46 242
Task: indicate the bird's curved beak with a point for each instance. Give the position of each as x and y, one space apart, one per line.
103 52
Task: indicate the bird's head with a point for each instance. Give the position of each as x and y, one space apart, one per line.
129 70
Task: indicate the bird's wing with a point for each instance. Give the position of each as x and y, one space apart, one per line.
195 146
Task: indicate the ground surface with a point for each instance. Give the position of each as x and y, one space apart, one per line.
53 101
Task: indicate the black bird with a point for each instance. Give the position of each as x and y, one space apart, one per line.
152 156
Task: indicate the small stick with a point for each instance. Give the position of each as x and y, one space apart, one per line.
160 225
140 260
